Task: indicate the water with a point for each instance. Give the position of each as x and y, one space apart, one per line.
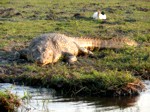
43 100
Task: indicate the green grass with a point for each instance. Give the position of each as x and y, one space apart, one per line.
110 68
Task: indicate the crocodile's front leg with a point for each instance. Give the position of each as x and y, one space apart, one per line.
70 58
56 57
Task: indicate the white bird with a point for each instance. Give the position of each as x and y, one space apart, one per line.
99 15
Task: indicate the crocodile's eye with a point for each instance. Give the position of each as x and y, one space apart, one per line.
44 49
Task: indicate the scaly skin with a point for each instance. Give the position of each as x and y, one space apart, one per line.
48 48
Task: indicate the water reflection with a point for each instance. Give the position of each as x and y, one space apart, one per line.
103 104
44 100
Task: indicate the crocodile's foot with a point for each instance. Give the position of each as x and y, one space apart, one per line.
22 54
71 59
86 51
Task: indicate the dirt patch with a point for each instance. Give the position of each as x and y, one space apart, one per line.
110 10
94 4
8 58
27 6
131 20
123 32
9 12
129 12
109 33
51 15
34 16
78 16
114 22
121 7
10 70
89 7
142 9
145 31
8 55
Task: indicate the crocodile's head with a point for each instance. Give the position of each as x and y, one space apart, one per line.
41 55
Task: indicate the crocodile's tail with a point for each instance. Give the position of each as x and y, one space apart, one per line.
118 43
115 43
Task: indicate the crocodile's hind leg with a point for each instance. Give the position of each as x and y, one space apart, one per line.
85 51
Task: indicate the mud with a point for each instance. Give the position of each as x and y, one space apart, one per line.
51 15
142 9
9 12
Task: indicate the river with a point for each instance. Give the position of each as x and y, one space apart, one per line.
45 100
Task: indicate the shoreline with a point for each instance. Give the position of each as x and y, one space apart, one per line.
88 85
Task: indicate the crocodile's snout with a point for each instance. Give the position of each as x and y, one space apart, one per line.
44 57
40 61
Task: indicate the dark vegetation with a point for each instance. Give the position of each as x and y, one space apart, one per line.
8 101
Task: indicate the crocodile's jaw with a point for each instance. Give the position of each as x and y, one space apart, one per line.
43 61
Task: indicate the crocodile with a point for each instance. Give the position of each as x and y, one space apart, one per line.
49 48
